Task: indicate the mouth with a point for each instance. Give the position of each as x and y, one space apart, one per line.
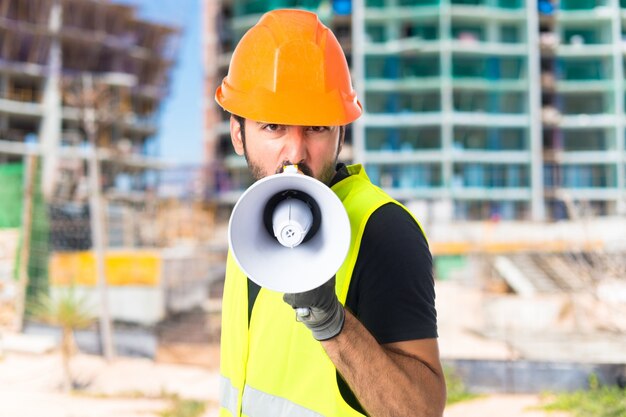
292 169
299 168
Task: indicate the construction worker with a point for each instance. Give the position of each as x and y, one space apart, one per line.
369 346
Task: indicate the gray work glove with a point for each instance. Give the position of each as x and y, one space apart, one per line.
319 309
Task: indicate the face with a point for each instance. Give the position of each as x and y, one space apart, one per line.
268 147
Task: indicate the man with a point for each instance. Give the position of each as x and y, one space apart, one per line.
289 92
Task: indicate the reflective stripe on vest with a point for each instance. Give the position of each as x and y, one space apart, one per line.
260 404
228 396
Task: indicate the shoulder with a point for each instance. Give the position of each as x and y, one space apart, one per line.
392 287
392 226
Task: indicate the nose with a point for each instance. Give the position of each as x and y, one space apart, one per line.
295 150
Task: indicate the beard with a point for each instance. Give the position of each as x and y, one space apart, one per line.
326 174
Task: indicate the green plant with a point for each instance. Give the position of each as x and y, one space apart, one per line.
70 312
457 391
184 408
598 401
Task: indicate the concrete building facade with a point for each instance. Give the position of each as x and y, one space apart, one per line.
474 109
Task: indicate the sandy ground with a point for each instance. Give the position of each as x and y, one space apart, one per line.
125 387
132 387
501 405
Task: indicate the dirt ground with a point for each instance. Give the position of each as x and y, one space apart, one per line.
125 387
501 405
132 387
187 365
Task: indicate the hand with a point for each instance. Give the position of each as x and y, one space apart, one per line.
319 309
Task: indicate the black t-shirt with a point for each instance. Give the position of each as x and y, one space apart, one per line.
392 287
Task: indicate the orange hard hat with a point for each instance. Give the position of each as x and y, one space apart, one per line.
290 69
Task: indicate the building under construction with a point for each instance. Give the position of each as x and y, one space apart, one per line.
81 87
474 109
79 71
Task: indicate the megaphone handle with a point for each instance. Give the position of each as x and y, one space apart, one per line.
302 312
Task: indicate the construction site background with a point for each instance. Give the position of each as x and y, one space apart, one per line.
530 288
523 306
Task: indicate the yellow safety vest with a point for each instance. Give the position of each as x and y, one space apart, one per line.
274 367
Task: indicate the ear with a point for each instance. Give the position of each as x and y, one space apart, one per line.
235 136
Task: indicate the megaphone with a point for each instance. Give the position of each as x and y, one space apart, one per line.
289 232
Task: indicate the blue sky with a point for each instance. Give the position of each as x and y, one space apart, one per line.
180 122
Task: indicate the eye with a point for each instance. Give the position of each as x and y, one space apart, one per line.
271 127
319 129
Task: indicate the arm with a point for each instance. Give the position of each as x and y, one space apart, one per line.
389 356
395 379
392 379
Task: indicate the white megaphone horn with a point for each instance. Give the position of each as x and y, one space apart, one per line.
289 232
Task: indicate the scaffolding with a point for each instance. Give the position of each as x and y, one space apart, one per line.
47 46
81 82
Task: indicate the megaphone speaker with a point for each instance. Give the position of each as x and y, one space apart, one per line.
289 233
